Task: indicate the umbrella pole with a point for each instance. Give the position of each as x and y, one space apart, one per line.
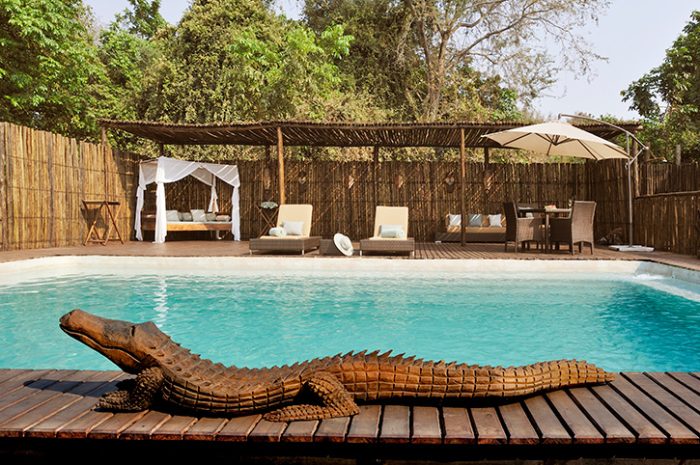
630 204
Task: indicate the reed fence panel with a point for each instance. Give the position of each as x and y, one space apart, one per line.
669 221
44 177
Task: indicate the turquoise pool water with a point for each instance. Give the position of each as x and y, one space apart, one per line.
265 319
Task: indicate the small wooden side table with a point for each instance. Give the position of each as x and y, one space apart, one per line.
268 215
102 209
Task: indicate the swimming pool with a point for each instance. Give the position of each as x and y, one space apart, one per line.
620 321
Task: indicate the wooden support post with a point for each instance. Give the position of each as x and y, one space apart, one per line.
161 150
375 168
487 157
635 148
4 193
103 146
462 187
678 154
280 164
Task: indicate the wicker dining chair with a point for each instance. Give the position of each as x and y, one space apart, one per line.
520 230
577 229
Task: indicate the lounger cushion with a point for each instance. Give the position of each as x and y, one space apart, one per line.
223 218
475 220
294 228
210 216
454 220
199 216
185 216
171 216
495 221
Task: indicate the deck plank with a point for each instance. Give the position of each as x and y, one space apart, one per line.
518 426
690 381
48 427
584 432
546 422
364 427
488 426
268 431
18 380
112 427
613 429
690 397
300 431
670 402
396 425
238 428
142 428
204 429
66 394
174 428
458 426
426 425
677 432
332 430
7 374
32 385
646 432
34 395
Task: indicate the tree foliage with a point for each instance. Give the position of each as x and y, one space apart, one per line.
668 96
50 76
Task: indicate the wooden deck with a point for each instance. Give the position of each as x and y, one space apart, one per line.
639 415
424 251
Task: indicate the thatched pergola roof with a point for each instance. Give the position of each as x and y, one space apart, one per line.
304 133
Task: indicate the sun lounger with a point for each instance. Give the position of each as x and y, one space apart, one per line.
387 218
301 243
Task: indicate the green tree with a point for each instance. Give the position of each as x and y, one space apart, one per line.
50 76
432 48
668 96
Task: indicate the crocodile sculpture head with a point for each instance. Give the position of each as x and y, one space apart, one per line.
131 346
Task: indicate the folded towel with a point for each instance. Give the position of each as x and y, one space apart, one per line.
394 231
278 232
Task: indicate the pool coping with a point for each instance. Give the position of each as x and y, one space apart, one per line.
15 271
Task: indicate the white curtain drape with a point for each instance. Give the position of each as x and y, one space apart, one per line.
165 170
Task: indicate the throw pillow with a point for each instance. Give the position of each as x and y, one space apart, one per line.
171 216
199 216
294 228
475 220
394 231
495 221
278 232
210 216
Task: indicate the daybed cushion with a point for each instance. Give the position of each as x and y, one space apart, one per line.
223 218
210 216
199 216
185 216
171 216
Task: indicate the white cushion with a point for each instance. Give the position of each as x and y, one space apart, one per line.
454 220
223 218
294 228
278 232
394 231
210 216
199 216
475 220
171 216
495 221
185 216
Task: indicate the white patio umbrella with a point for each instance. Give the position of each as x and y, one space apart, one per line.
563 139
558 138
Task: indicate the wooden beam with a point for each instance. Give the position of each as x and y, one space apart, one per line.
161 150
487 157
462 187
375 168
103 146
280 164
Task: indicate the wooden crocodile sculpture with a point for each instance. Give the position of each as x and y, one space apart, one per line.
320 388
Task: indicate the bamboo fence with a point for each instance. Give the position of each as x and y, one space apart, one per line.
44 177
669 221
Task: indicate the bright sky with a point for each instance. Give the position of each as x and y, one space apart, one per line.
633 35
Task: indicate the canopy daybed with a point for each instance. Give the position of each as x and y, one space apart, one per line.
166 170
